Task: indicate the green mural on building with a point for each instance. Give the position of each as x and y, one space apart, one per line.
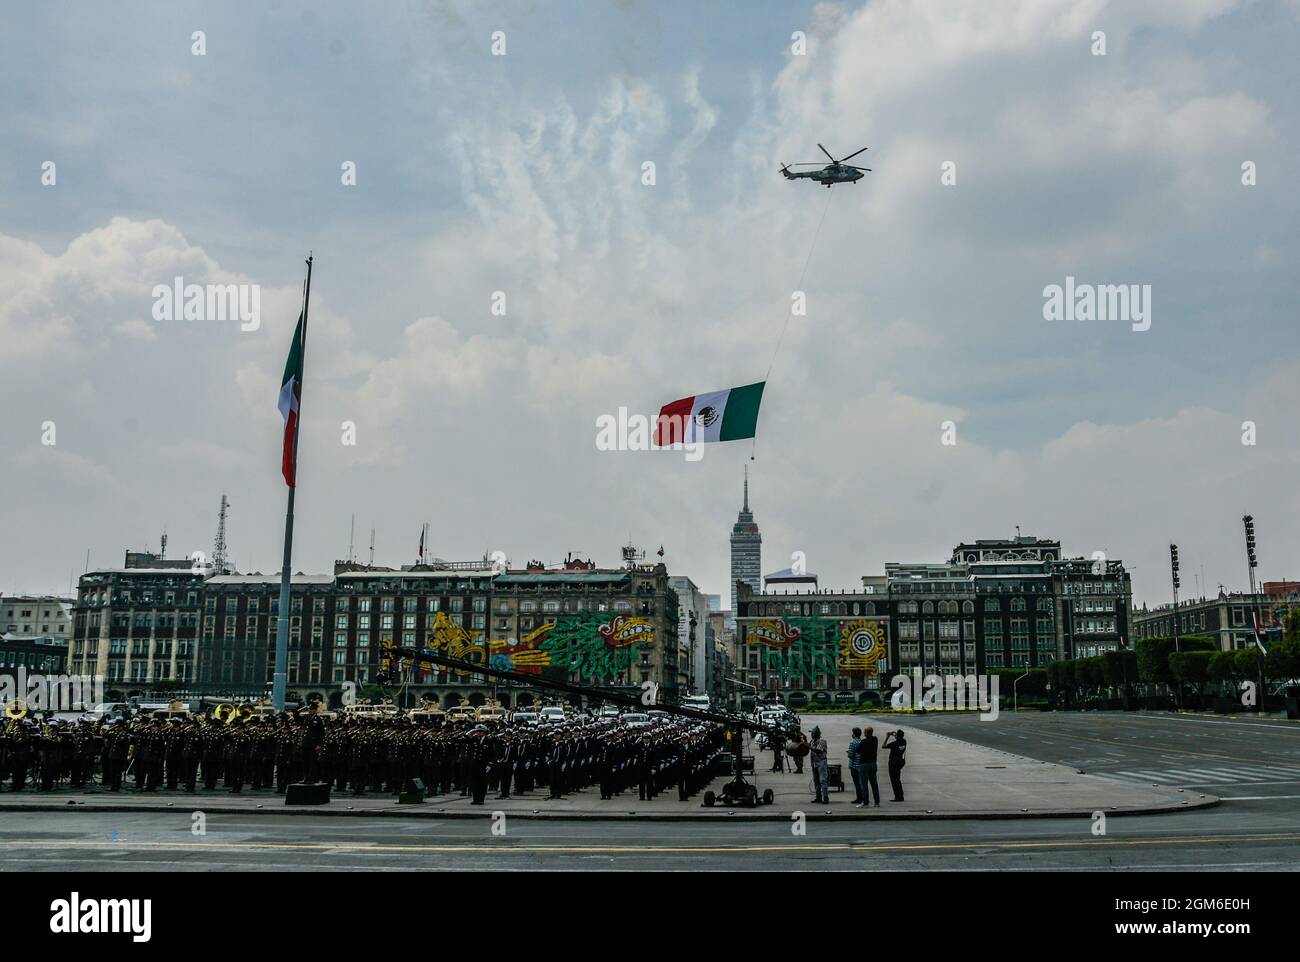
808 647
798 647
596 645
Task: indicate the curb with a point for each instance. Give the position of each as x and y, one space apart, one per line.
735 815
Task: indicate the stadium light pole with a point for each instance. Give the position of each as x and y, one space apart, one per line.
1173 570
1248 522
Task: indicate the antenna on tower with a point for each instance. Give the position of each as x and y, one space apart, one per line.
162 544
352 535
219 545
372 546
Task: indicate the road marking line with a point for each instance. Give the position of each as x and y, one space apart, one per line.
1254 798
1280 727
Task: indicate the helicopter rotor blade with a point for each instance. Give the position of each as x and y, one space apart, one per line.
828 153
852 155
867 169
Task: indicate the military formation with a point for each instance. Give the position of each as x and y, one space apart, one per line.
363 755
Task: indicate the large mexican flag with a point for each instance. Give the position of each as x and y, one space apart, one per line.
290 398
728 415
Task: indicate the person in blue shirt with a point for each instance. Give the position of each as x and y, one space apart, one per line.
852 752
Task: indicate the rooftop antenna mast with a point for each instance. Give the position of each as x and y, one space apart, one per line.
219 545
162 542
372 546
352 537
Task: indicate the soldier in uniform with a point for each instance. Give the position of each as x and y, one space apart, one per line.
211 752
359 757
287 744
87 745
21 747
191 748
505 762
117 750
172 746
235 754
142 749
645 761
480 765
312 746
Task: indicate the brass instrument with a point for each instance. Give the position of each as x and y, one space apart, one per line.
224 712
16 709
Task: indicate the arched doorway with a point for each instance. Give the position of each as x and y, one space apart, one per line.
477 698
451 700
524 699
798 699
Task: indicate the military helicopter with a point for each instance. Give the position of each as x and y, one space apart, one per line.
836 172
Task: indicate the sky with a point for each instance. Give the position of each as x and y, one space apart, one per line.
517 177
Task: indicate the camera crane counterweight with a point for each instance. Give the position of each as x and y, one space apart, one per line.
738 791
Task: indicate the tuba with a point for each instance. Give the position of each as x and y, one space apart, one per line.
16 709
244 712
224 712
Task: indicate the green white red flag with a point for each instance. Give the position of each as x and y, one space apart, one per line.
729 415
290 399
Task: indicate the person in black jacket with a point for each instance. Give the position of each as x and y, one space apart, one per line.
896 742
867 749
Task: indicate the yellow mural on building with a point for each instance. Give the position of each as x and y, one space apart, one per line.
449 637
862 644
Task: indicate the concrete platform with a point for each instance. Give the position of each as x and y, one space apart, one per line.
944 779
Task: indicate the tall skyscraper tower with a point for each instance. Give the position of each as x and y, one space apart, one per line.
746 549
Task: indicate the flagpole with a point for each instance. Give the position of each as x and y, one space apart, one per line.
282 626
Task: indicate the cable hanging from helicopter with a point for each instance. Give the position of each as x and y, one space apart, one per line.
732 414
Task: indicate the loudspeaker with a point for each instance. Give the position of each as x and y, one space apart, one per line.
412 792
307 793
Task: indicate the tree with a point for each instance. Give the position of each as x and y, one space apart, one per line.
1283 660
1090 673
1153 660
1191 668
1119 669
1245 662
1222 669
1291 625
